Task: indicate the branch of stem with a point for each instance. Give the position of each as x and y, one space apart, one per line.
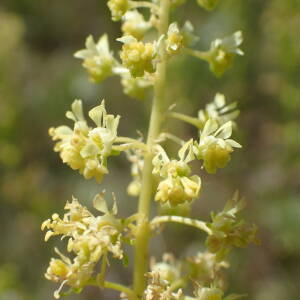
114 286
199 54
191 120
182 220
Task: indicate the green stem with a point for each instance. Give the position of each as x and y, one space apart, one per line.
130 143
125 139
114 286
143 230
177 219
191 120
205 55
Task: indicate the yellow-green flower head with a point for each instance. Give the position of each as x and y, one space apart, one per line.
135 25
177 185
229 229
218 110
174 40
89 238
168 269
135 87
177 190
208 4
118 8
215 147
84 148
74 273
206 269
137 56
97 59
222 52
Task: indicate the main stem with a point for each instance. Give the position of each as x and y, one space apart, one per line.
143 231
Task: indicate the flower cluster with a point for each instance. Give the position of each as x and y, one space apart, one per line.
118 8
229 229
207 270
177 186
84 148
135 25
97 59
174 41
217 110
214 146
135 87
89 238
222 52
138 56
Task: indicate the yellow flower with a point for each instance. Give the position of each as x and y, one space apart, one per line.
118 8
135 24
176 186
222 52
135 87
215 147
137 56
97 58
174 41
84 148
89 238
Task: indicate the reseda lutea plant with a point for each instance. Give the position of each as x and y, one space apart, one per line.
94 239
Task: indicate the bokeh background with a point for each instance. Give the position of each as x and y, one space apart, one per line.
39 78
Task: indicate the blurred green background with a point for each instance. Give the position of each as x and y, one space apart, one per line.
39 78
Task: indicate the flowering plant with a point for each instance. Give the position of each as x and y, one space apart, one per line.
94 239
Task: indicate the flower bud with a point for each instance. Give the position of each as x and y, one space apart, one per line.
174 41
215 147
137 56
83 148
135 87
118 8
223 51
57 270
135 24
97 58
